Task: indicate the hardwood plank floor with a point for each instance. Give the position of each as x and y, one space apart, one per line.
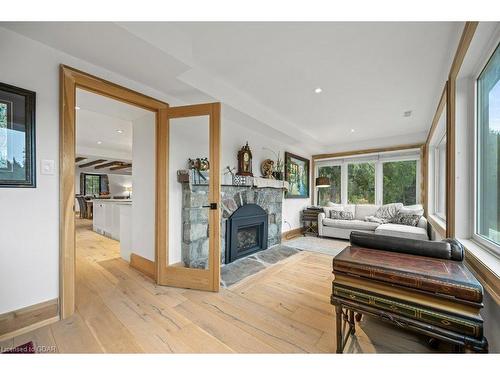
283 309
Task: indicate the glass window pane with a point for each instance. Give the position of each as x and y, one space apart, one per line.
361 183
400 182
441 180
488 207
92 185
331 193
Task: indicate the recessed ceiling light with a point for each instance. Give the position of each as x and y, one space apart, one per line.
318 90
77 108
119 131
352 130
407 113
99 142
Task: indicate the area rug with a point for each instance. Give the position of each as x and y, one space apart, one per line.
240 269
327 246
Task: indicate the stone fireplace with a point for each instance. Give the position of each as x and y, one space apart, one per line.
266 202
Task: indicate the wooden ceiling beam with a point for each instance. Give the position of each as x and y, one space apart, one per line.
125 166
91 163
79 159
110 164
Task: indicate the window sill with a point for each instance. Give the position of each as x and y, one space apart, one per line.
438 224
485 265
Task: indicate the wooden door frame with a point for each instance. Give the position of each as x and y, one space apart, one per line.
204 279
70 80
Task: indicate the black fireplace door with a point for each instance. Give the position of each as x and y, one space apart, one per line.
246 232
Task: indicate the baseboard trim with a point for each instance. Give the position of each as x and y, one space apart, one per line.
29 318
288 235
143 265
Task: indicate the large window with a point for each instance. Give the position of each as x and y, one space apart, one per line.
361 183
488 148
333 192
386 177
400 182
92 184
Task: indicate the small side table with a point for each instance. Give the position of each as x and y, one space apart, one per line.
309 220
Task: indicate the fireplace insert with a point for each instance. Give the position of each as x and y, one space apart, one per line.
246 232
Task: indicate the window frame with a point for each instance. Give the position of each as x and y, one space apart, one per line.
437 168
378 159
481 240
316 173
85 182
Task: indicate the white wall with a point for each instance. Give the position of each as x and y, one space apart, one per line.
118 183
143 184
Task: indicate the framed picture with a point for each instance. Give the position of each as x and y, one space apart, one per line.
17 137
297 175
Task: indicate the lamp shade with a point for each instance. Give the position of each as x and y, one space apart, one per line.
322 182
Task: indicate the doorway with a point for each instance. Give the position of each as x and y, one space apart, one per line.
163 271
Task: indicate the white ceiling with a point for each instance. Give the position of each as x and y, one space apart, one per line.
98 119
265 73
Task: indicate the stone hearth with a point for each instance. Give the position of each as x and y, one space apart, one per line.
195 217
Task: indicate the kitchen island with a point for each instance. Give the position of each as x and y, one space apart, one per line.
112 218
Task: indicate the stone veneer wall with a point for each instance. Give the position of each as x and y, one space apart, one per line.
195 217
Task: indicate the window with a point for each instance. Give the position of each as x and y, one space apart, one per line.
92 184
333 192
440 179
488 152
361 183
386 177
400 182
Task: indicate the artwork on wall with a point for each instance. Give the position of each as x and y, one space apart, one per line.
297 175
17 137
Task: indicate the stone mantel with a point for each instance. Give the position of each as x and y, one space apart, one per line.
195 217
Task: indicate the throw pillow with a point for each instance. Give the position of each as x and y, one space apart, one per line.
411 220
388 211
375 219
341 215
416 209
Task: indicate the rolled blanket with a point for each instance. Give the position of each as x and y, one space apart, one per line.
446 249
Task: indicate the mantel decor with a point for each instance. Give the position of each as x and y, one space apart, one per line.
245 161
17 137
297 176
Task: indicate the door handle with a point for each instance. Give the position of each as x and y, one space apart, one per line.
212 206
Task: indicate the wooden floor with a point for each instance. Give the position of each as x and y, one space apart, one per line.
283 309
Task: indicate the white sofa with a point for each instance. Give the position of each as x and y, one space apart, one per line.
342 228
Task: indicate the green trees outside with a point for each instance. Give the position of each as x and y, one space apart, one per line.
400 182
331 193
361 183
92 184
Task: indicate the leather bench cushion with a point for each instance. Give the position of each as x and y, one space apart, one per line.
350 224
404 231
